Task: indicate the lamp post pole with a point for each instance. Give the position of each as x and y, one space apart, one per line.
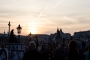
19 28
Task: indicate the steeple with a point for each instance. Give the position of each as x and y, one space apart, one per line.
60 30
58 37
30 34
57 30
58 33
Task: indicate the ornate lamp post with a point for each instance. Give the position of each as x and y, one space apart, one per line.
19 28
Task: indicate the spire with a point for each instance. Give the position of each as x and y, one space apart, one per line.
58 33
60 30
30 34
57 29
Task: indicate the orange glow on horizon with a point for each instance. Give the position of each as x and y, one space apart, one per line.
33 31
32 28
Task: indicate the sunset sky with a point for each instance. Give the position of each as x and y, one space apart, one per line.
44 16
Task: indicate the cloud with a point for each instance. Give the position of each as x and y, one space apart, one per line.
3 21
68 15
12 12
84 20
57 4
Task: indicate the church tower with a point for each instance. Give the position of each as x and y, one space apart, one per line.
58 33
58 37
60 30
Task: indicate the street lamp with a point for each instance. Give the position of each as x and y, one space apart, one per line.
19 28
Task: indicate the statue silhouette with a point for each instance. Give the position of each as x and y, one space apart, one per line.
12 37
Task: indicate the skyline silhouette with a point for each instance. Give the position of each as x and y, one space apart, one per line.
44 16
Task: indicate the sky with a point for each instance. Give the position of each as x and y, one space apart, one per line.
44 16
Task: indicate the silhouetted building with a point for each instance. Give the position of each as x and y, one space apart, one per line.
82 35
4 38
41 38
58 37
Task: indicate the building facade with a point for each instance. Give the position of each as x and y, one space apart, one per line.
82 35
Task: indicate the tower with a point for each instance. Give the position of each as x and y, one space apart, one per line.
60 30
61 33
58 33
9 28
58 37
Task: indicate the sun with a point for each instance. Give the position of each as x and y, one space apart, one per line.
33 31
32 27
